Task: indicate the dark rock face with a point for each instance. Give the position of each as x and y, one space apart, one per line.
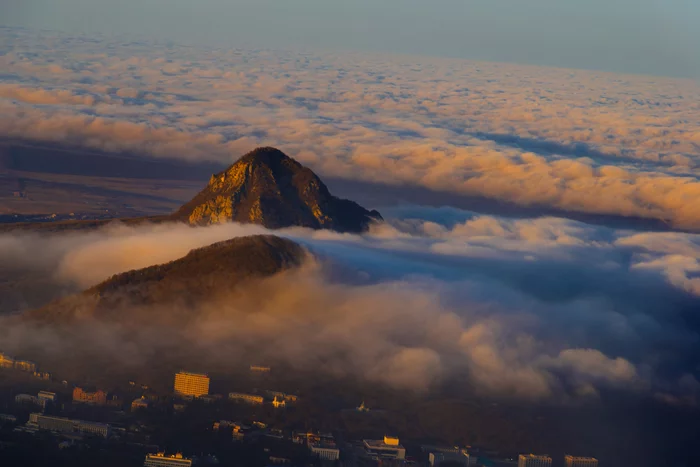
202 274
269 188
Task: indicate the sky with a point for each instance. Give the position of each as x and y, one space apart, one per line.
655 37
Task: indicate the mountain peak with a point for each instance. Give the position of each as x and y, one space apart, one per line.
269 188
268 155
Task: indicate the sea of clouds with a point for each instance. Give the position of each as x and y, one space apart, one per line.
568 140
537 309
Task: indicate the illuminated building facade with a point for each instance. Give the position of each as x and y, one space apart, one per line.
191 384
89 397
532 460
23 365
161 460
279 403
6 361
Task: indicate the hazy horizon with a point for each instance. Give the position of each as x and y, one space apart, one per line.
640 37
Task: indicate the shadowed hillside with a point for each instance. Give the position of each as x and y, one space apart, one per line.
201 274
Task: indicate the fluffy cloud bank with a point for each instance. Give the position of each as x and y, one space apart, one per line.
586 142
546 309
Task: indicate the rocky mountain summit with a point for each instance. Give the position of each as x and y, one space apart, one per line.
263 187
269 188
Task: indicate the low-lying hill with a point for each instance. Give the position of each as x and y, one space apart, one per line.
202 273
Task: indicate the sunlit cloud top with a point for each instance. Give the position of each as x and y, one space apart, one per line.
572 141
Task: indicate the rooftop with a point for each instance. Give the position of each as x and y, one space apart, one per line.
381 444
323 445
173 458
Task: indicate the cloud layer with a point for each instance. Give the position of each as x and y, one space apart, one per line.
544 309
569 140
